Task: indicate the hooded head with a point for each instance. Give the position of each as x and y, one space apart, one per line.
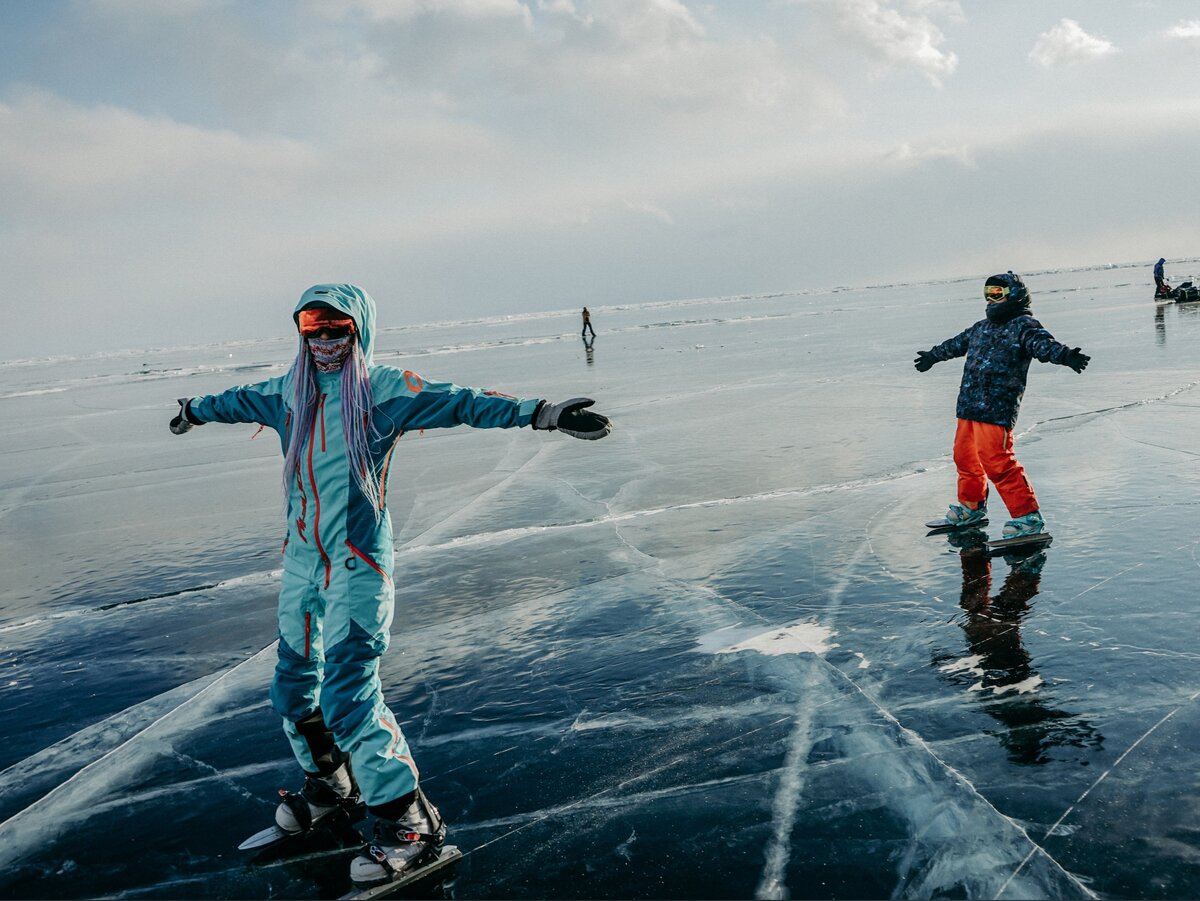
351 302
1016 287
1006 295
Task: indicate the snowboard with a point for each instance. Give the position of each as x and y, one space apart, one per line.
1020 543
940 526
448 855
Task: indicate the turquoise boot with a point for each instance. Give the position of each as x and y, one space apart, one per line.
1023 526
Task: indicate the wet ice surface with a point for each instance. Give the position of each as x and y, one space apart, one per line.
714 655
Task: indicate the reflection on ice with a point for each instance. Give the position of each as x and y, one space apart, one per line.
999 662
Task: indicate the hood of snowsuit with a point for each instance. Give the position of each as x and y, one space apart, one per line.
351 300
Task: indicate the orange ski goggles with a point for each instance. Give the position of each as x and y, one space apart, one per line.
315 320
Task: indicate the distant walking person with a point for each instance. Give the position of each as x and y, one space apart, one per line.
998 351
587 323
1161 288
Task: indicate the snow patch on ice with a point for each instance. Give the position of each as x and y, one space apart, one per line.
1022 688
799 638
966 664
33 392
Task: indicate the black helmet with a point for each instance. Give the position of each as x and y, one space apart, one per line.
1016 288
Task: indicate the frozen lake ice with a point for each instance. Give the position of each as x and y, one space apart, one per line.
715 655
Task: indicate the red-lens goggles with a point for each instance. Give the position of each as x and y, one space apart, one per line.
318 319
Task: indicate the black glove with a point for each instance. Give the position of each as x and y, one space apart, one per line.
924 361
1076 359
184 420
571 418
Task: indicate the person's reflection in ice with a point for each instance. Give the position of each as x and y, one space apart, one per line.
587 348
1160 324
1000 667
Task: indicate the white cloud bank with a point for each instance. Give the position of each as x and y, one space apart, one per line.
1067 42
406 10
1187 31
912 41
57 154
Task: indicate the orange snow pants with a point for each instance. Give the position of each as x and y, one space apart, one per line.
984 451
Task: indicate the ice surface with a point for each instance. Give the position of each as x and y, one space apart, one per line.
714 655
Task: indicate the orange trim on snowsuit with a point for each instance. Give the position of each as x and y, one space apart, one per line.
397 737
383 475
983 451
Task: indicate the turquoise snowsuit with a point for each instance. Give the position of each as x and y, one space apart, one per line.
337 596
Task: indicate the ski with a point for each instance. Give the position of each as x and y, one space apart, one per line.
448 855
337 827
940 526
272 835
1021 542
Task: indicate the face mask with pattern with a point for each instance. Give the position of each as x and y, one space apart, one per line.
329 354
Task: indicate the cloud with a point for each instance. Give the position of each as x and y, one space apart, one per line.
54 152
648 209
155 8
909 154
594 74
911 41
1188 30
950 10
406 10
1067 42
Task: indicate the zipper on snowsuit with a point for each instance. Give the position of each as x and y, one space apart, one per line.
371 563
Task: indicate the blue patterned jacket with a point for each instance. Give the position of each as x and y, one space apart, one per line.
998 356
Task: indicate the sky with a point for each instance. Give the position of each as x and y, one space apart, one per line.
177 172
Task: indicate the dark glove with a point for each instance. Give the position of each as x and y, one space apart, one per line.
1076 359
571 418
924 361
184 421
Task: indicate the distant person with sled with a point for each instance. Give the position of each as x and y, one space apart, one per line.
339 417
1161 288
587 324
998 349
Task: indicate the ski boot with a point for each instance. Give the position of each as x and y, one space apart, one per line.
321 796
401 845
960 516
1025 526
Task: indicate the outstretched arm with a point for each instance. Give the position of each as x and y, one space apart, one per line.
262 403
419 404
1040 345
947 350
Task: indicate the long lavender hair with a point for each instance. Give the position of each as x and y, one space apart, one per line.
357 425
